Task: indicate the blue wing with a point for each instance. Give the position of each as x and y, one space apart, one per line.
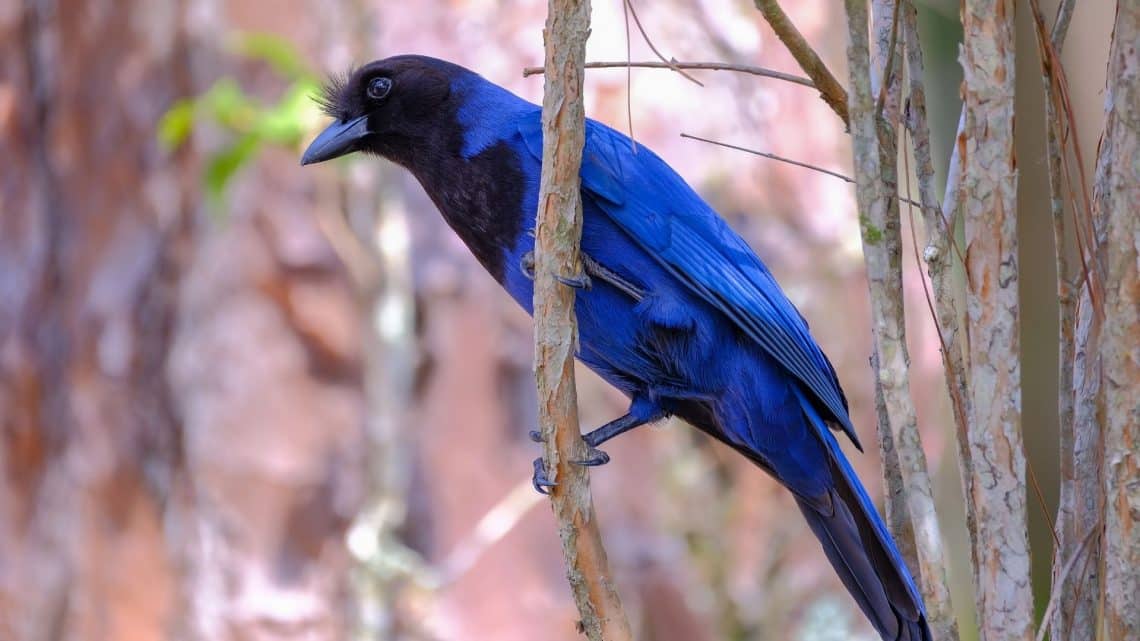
666 218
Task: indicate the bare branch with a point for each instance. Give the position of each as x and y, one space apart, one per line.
939 236
668 61
713 66
830 90
952 195
797 163
1071 613
1061 23
559 231
1062 575
996 478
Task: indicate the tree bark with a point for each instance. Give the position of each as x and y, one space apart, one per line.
910 504
151 360
995 478
1118 184
558 233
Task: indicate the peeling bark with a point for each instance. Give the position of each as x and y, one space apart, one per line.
1118 187
996 469
910 501
559 231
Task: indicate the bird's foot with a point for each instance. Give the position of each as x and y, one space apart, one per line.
540 480
579 281
594 458
526 263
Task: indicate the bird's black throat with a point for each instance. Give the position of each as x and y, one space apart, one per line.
480 197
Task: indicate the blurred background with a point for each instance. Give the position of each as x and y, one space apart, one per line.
242 400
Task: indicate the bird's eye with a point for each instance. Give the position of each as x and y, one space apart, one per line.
379 87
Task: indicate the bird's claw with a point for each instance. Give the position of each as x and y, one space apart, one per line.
580 281
541 482
535 436
594 458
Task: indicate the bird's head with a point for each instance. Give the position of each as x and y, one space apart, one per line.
386 107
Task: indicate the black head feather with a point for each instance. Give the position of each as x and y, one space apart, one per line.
415 123
420 83
332 98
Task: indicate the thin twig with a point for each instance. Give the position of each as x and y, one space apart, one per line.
628 77
830 90
1058 96
789 161
674 65
1059 580
669 61
558 234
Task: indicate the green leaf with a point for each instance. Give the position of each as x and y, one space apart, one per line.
176 124
228 104
223 165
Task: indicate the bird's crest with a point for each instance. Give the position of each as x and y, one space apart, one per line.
335 98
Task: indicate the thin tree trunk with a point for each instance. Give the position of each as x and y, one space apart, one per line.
995 475
559 231
1118 187
910 497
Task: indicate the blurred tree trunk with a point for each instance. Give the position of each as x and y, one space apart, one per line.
150 361
92 240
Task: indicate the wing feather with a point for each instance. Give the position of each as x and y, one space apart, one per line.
663 215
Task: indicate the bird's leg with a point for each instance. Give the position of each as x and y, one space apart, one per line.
597 270
594 456
591 268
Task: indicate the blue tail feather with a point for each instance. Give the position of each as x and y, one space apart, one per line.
857 543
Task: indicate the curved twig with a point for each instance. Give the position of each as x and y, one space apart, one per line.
673 65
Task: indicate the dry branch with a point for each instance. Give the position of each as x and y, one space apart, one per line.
910 502
830 90
1071 614
674 65
559 231
939 237
995 475
1118 191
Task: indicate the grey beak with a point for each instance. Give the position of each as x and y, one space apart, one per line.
336 140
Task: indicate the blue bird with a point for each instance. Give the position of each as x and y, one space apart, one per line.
674 308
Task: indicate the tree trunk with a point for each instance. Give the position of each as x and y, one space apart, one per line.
995 471
150 360
1118 191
